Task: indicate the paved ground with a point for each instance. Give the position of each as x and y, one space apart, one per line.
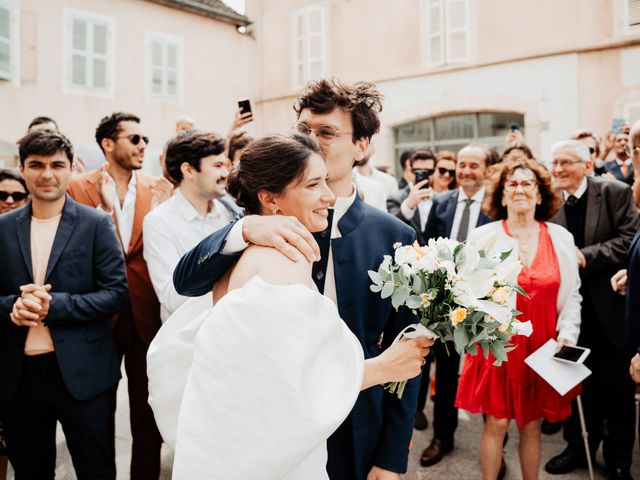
462 463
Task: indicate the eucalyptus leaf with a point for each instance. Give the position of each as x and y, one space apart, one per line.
387 290
375 277
375 288
400 296
505 255
460 339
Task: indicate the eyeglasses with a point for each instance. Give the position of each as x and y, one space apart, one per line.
326 134
17 196
135 138
444 171
564 163
512 185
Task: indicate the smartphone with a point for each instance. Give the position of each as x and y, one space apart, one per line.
515 127
616 124
572 354
423 174
244 105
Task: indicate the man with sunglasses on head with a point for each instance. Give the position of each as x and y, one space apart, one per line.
621 167
13 191
373 442
119 189
601 216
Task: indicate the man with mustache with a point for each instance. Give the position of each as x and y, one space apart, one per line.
196 162
120 190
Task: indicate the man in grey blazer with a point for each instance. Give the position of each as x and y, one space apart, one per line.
603 220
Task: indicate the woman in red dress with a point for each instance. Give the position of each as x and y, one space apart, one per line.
521 198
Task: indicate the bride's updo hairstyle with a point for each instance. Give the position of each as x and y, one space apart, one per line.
270 163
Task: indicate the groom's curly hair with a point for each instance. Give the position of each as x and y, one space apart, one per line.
362 99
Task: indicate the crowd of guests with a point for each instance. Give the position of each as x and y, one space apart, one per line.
89 260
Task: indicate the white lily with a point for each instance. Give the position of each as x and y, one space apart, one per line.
500 313
508 271
522 328
486 243
468 260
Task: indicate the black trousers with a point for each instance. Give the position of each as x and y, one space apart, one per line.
445 414
30 425
608 400
146 439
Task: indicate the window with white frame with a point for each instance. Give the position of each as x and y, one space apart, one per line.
631 112
164 66
311 44
7 39
89 52
632 16
445 31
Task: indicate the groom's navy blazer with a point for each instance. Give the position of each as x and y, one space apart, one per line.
87 274
378 430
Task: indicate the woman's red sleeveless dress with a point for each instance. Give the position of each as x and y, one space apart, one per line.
514 390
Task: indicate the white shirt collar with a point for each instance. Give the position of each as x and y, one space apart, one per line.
188 211
579 192
477 197
626 162
343 204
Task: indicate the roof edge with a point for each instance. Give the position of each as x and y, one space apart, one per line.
207 11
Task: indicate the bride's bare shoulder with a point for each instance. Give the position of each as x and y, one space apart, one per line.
273 266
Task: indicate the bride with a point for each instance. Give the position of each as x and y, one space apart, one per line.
253 387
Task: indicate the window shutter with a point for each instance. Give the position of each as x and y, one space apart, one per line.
632 112
633 10
5 42
435 27
299 53
457 30
79 59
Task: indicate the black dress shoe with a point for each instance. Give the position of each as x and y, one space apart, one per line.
566 462
549 428
619 473
434 452
421 422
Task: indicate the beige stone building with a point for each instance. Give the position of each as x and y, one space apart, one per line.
458 70
452 71
78 60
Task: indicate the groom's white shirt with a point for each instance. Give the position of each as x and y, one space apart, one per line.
235 243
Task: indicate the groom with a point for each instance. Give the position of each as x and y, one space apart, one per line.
373 442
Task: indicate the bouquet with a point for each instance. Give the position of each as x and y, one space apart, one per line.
459 292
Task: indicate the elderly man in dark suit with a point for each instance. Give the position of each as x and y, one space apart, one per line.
601 216
454 215
63 278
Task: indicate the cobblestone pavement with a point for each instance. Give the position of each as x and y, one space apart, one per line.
462 463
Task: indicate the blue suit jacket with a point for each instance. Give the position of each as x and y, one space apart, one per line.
443 210
378 430
87 274
632 310
613 168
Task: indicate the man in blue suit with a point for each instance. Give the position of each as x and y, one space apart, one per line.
453 215
62 279
373 442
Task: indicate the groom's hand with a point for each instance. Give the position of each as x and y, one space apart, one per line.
286 234
378 473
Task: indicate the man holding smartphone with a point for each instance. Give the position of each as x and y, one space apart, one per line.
413 203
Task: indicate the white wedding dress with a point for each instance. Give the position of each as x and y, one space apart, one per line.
253 387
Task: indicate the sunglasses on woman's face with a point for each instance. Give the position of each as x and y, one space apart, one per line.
17 196
443 171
